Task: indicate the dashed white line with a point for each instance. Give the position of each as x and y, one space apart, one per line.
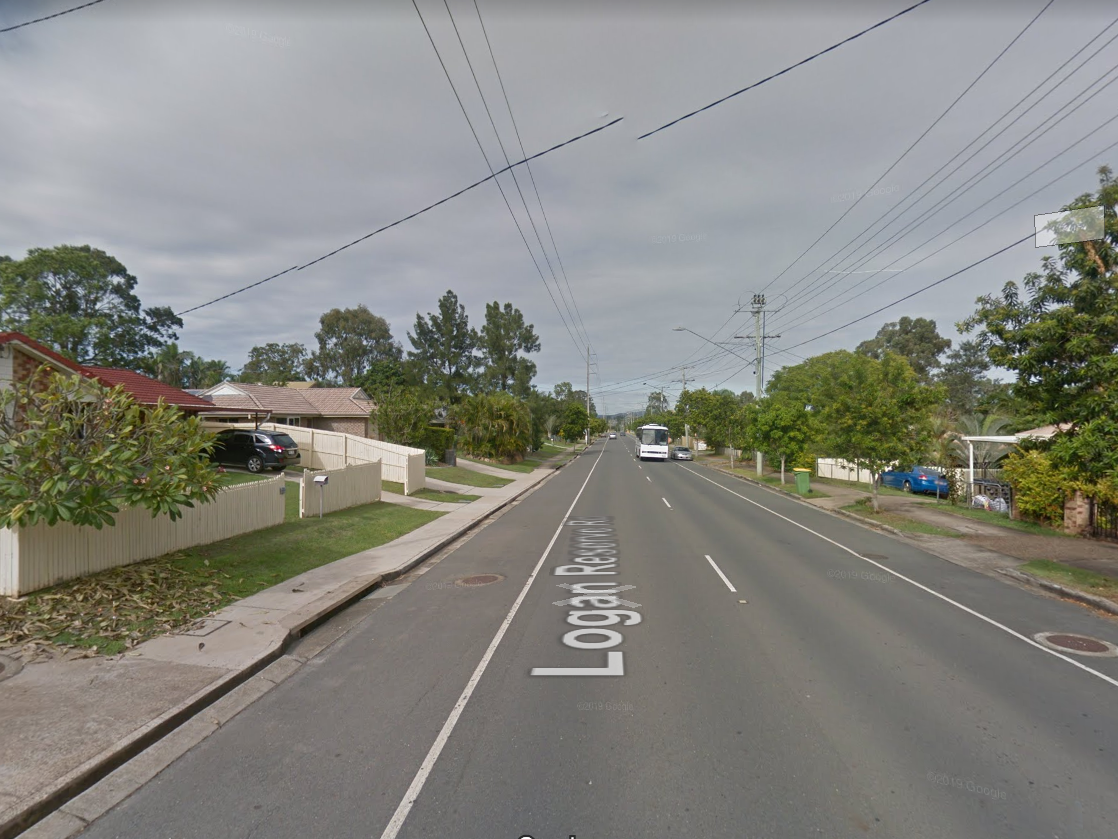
648 478
920 586
720 574
402 810
666 502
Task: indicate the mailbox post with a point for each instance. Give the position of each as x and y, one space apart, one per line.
322 481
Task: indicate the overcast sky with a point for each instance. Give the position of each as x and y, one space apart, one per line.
207 146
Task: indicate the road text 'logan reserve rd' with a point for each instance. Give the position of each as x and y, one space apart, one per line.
594 553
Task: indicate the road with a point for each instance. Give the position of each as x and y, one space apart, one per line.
786 674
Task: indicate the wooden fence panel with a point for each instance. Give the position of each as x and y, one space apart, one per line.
35 557
350 486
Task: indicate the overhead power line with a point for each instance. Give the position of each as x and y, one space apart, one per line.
50 17
785 70
481 148
408 217
532 176
904 154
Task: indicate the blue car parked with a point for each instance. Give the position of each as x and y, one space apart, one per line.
915 479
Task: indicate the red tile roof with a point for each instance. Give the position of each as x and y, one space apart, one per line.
38 349
146 390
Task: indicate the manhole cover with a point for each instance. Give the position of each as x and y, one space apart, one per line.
1079 644
479 580
874 556
9 667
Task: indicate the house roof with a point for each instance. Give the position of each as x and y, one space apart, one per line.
37 350
311 402
301 385
146 390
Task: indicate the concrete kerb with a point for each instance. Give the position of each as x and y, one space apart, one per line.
48 818
1038 582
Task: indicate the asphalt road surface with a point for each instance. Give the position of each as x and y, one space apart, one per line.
773 671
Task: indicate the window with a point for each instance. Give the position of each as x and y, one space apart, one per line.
291 421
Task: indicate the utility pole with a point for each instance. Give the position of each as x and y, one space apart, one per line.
686 427
758 307
587 394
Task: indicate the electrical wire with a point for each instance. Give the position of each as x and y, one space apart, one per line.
531 174
785 70
915 142
50 17
408 217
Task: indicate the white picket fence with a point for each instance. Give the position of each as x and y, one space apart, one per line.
35 557
347 487
336 450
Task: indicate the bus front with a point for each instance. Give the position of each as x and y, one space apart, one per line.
652 442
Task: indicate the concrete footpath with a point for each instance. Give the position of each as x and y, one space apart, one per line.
68 724
990 549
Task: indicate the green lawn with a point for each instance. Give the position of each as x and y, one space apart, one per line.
1076 578
898 521
467 477
233 478
110 611
526 466
789 485
429 494
1002 520
864 487
531 461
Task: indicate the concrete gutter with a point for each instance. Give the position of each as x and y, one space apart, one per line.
1080 596
103 781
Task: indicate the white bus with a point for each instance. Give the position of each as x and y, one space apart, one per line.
652 442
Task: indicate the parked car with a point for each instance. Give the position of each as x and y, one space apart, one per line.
915 479
255 450
681 453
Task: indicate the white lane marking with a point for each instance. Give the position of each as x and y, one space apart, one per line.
920 586
666 502
648 478
410 797
720 574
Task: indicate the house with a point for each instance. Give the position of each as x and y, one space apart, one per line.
344 409
21 356
148 391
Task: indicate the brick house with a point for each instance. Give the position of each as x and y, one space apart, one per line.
344 409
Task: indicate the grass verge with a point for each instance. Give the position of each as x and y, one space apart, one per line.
524 466
397 488
109 612
899 522
865 487
467 477
1067 575
1002 520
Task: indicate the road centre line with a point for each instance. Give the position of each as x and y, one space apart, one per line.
648 478
920 586
666 502
410 797
720 574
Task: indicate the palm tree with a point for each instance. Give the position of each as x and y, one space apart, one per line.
986 455
168 365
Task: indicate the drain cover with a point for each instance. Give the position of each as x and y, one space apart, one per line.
479 580
1079 644
9 667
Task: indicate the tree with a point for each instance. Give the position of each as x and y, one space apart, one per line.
444 350
710 413
74 451
502 340
382 377
1061 339
403 415
916 340
986 455
657 403
349 342
574 422
494 425
275 364
873 413
82 302
782 428
565 392
964 377
180 368
202 373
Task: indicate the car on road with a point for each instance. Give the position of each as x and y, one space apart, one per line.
255 450
915 479
613 435
681 453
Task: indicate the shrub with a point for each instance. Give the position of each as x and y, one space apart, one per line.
1039 487
495 425
437 438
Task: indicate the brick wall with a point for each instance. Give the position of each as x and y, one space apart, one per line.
346 425
1077 514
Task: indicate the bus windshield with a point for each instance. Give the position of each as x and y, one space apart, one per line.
654 437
